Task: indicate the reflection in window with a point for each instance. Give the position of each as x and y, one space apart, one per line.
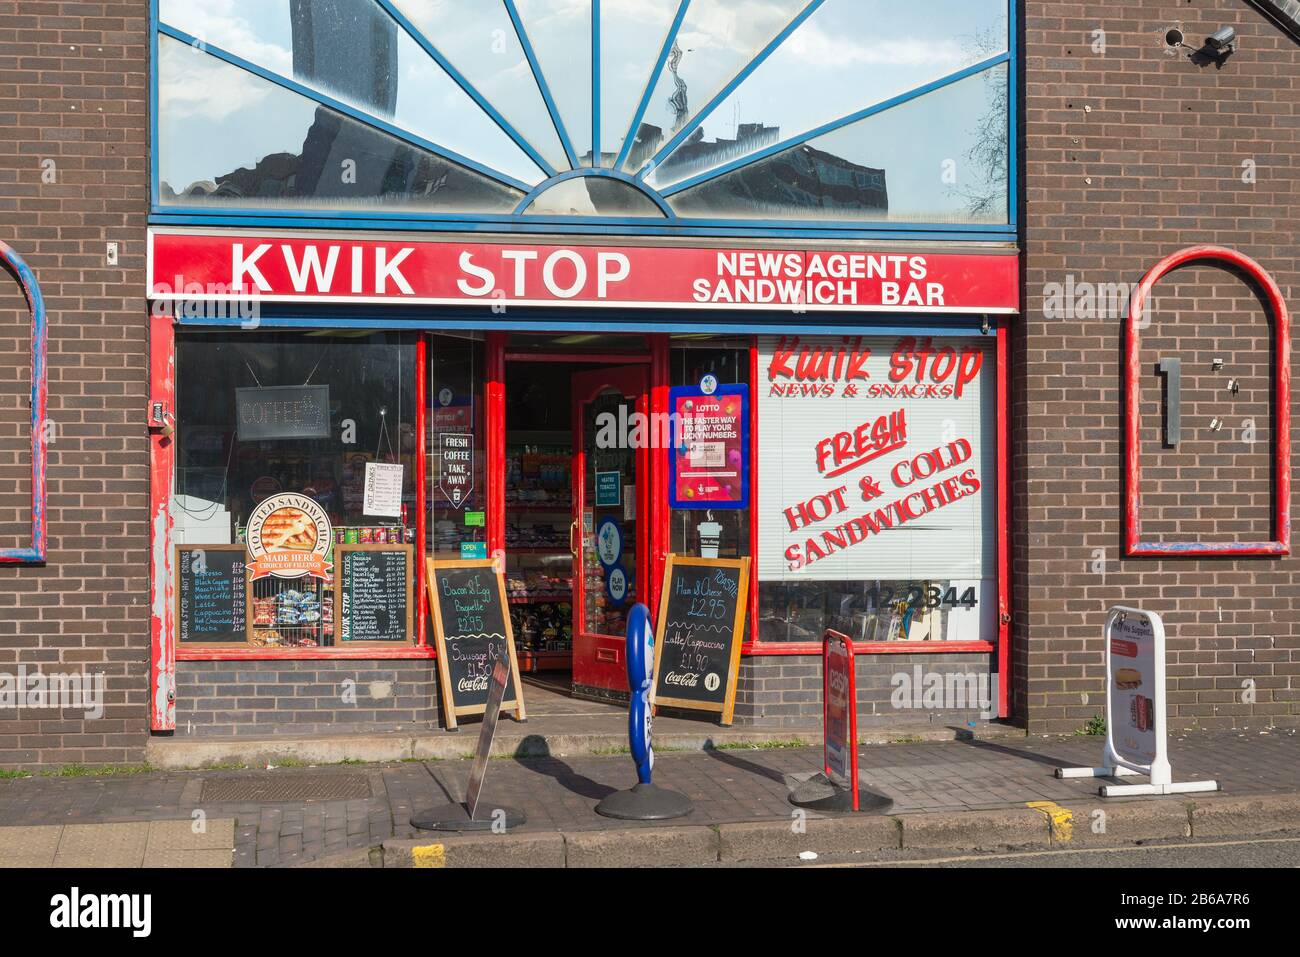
369 387
632 35
258 415
940 158
560 34
480 41
842 59
717 38
454 406
227 137
593 196
355 52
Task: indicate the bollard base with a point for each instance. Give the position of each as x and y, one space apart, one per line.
645 802
455 817
820 793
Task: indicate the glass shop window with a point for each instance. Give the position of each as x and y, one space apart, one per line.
716 467
877 481
457 448
294 500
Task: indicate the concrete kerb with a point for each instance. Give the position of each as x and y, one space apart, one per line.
1229 816
1128 822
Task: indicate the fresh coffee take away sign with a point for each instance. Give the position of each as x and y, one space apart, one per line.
216 265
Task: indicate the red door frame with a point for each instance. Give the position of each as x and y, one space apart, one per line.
631 380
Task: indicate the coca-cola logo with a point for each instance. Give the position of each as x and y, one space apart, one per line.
473 684
684 680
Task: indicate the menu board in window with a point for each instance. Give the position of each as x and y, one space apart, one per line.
699 630
374 593
471 628
211 595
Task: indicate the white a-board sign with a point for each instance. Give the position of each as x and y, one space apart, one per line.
1136 738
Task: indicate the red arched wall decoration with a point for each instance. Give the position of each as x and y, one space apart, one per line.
34 554
1281 545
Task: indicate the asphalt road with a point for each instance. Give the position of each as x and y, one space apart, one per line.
1244 853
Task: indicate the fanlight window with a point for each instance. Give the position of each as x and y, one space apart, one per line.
857 114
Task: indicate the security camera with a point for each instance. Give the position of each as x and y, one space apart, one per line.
1222 41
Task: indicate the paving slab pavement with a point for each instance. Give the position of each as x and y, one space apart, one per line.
121 844
730 786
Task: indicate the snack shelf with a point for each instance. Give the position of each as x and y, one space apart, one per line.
536 599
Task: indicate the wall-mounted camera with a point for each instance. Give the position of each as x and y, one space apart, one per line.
1218 46
1222 42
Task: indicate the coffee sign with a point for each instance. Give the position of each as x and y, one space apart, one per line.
700 628
283 412
472 634
456 467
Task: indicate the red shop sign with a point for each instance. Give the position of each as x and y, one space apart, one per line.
189 265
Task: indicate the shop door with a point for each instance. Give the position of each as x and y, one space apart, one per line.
610 535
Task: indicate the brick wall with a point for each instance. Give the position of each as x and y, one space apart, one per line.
73 176
1132 153
786 690
263 698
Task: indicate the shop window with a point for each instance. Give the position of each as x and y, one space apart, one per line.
702 531
350 50
458 28
877 479
560 34
939 158
289 446
843 58
593 196
740 114
299 153
631 37
457 444
716 40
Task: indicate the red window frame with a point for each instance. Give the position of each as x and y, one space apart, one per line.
1002 646
165 653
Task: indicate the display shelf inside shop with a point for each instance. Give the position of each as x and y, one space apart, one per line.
539 565
300 612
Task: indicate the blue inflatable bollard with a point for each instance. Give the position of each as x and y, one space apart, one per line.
645 801
640 678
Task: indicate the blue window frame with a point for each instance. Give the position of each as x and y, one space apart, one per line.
815 118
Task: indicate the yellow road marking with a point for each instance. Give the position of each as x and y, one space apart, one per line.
430 855
1062 820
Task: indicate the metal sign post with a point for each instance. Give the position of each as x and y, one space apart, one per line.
464 817
838 788
1136 735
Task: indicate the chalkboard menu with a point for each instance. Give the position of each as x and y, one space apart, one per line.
374 593
700 626
471 627
211 595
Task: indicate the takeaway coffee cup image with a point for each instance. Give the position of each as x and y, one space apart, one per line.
710 539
